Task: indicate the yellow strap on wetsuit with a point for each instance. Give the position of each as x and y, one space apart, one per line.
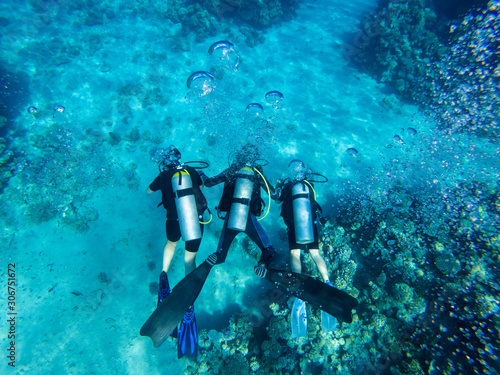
186 171
311 188
268 193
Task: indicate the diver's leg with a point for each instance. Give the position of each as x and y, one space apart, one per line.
257 234
226 239
320 263
295 261
173 235
294 248
189 261
168 254
192 248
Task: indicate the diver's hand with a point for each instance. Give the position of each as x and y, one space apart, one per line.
260 271
212 259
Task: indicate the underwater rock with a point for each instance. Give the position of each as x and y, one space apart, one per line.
377 322
128 174
344 275
235 365
75 222
277 325
254 364
88 214
152 97
417 307
151 265
343 253
114 138
103 278
402 293
376 292
41 212
215 337
439 247
448 264
38 141
153 288
271 349
381 278
413 368
134 134
105 67
146 135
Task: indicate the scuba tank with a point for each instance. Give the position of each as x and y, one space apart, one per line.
240 204
185 203
302 215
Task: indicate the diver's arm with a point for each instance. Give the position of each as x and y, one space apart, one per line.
212 181
265 185
203 178
154 186
278 190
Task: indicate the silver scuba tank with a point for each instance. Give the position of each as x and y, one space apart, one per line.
240 204
302 215
185 203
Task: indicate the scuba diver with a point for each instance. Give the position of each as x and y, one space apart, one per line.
180 187
242 202
299 211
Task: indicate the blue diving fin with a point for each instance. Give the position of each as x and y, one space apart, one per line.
163 292
299 319
187 340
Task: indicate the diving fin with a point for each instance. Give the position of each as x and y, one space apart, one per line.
329 299
163 292
299 319
163 288
187 341
328 322
166 316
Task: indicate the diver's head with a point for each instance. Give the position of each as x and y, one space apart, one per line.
168 157
247 156
297 170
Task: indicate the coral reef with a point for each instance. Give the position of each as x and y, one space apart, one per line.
424 271
203 18
416 272
449 67
402 37
56 173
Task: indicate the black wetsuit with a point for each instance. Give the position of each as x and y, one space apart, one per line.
164 183
253 228
285 195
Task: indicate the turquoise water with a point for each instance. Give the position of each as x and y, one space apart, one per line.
413 216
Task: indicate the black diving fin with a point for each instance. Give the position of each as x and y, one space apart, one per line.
327 298
165 318
163 291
